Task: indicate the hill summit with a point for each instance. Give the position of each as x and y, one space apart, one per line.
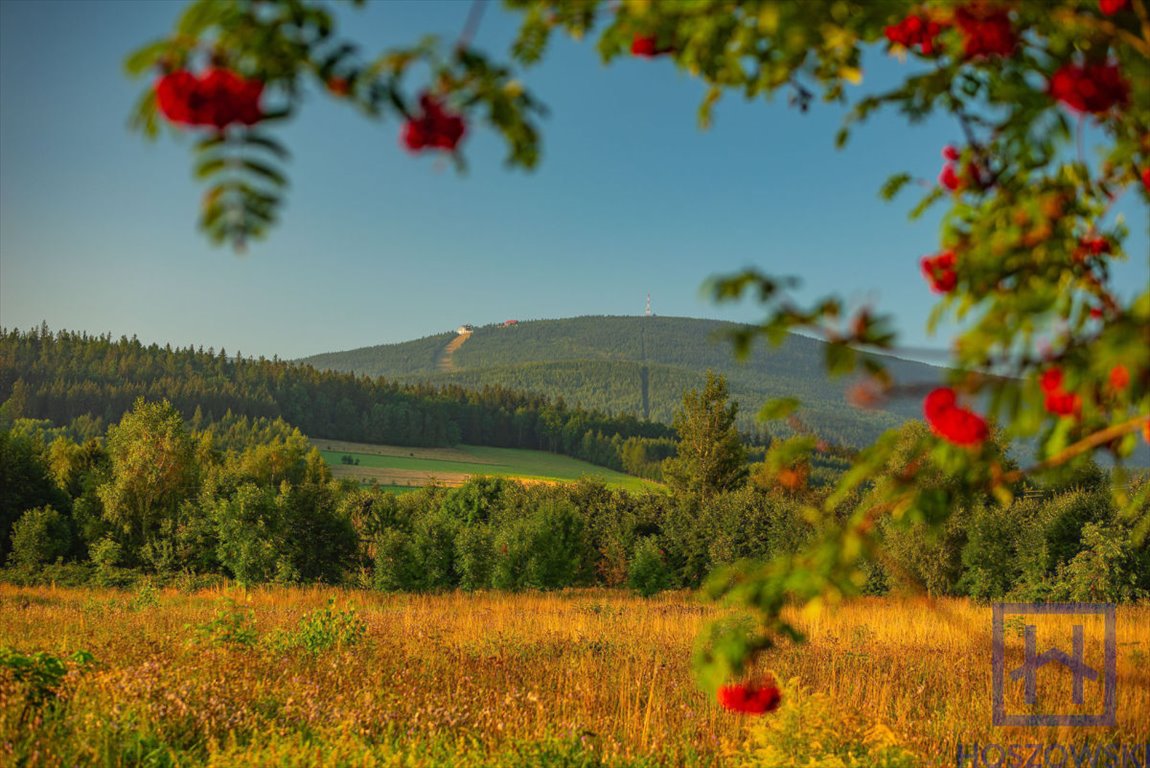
636 365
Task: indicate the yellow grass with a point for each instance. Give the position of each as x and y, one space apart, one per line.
478 673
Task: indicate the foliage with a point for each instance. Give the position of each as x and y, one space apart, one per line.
1050 349
474 556
231 625
323 630
236 403
40 536
40 674
25 482
648 573
710 457
151 457
809 730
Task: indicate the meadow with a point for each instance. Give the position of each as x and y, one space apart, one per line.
317 676
412 467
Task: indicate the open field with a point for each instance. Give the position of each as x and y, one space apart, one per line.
592 677
404 466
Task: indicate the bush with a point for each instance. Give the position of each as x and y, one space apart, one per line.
558 555
248 527
1105 570
433 540
322 630
512 556
474 557
39 537
807 730
396 569
648 573
106 554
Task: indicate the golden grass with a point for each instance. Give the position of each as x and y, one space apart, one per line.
486 670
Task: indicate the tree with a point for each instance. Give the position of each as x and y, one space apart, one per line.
39 537
1056 352
152 470
710 457
25 483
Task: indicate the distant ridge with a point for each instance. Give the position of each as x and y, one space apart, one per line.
610 362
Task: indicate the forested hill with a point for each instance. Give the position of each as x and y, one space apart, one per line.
91 381
598 362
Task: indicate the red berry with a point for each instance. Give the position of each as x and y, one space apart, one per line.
957 425
750 699
436 128
949 178
174 95
939 271
1051 381
950 153
1095 88
1111 7
985 31
914 31
1119 377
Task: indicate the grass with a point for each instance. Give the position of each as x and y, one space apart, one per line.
594 677
403 466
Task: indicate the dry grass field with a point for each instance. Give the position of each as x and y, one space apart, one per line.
265 677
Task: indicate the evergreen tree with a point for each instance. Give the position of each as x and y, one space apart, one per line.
711 457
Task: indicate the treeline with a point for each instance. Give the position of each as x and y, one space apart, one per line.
68 378
158 499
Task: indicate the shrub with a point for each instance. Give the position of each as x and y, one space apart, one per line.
474 557
1105 570
106 554
558 555
807 730
512 556
396 569
433 540
39 537
328 628
230 626
648 573
41 675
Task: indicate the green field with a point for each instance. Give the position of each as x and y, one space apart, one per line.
404 467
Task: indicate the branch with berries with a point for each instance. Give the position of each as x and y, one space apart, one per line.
1049 349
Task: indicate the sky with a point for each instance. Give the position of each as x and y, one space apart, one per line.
98 226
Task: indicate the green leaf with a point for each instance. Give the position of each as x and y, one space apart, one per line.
894 185
778 408
144 59
252 139
265 171
209 166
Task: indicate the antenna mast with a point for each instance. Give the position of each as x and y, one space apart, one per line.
648 312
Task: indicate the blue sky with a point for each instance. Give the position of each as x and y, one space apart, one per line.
97 226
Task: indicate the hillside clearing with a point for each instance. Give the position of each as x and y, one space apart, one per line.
409 466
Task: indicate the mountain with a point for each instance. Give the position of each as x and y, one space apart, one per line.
601 363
